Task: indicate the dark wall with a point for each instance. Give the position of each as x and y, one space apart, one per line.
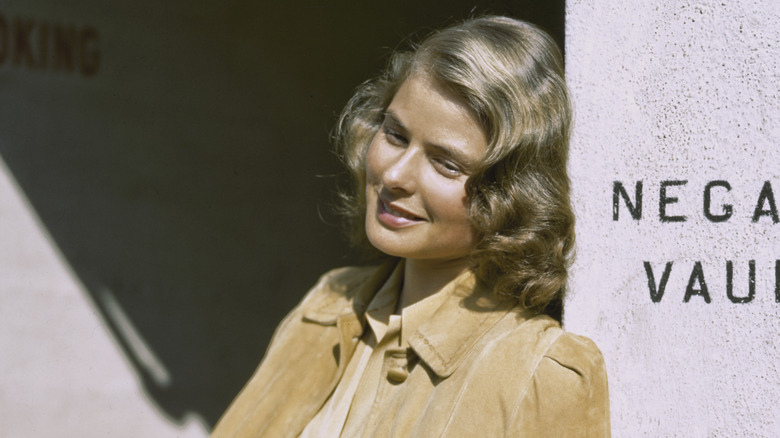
187 177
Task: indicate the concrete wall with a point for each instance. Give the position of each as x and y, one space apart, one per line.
684 97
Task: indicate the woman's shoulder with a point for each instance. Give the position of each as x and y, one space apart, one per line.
556 347
567 393
344 286
344 278
575 352
347 280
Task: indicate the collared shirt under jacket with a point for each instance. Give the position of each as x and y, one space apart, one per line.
478 367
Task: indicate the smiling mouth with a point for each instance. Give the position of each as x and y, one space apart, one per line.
394 211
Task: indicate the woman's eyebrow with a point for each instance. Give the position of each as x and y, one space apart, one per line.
393 120
452 152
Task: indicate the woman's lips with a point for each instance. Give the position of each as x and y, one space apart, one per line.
394 216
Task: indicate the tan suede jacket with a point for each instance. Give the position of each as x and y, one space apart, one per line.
484 368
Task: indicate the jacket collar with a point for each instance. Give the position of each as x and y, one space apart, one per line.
442 342
467 314
350 294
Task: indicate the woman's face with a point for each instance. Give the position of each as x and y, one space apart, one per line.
416 170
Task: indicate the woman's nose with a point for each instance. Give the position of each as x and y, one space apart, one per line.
402 171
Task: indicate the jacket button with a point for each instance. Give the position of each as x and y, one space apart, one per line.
397 375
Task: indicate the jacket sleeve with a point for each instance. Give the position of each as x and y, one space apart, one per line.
568 394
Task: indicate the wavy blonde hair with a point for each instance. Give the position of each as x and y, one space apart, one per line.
510 74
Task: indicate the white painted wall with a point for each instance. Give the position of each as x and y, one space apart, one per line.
61 372
679 90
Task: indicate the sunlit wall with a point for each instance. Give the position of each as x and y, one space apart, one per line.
676 175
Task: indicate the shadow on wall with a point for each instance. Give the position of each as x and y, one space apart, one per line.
182 180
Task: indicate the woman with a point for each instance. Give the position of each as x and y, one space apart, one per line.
458 153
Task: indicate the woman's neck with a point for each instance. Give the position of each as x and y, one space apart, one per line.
423 278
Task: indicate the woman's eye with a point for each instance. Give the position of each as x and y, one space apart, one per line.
448 168
395 137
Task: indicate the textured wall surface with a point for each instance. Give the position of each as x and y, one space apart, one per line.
684 97
62 374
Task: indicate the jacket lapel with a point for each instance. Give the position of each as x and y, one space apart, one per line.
345 308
